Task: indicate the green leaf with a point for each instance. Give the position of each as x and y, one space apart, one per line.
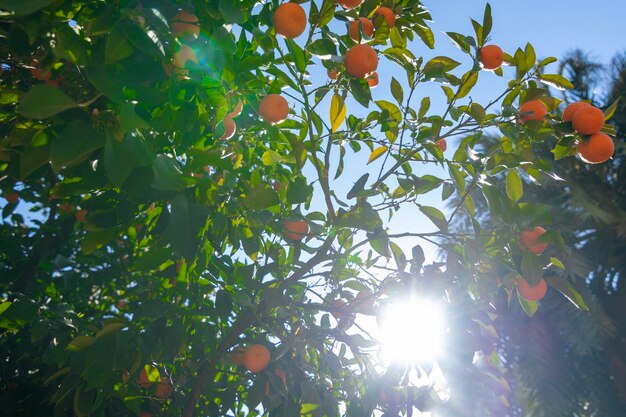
297 55
80 342
529 307
75 144
298 191
4 306
44 101
231 11
424 107
325 14
32 158
168 175
96 240
322 48
376 153
358 186
398 255
467 83
487 21
436 216
24 7
261 197
610 111
337 112
531 268
271 158
514 186
394 112
396 91
557 81
568 290
361 91
426 35
70 46
557 263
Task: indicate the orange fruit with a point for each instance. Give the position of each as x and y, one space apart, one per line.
12 197
295 230
361 60
365 299
533 110
145 414
143 380
349 4
237 110
289 20
164 388
588 120
366 24
570 110
339 304
528 240
491 57
274 108
529 293
237 355
332 74
229 127
185 25
183 56
388 14
38 73
442 144
81 216
372 80
596 149
256 358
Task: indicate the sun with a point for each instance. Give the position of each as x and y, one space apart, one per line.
412 331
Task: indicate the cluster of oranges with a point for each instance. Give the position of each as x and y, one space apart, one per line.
528 241
594 147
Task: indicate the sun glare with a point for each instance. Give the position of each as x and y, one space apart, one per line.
412 331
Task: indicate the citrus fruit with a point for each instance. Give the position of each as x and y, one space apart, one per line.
529 293
185 25
256 358
295 230
12 197
596 149
237 110
366 24
372 80
349 4
183 56
274 108
528 240
442 144
164 388
143 380
280 374
365 299
289 20
533 110
339 305
361 60
570 110
491 57
588 120
332 74
388 14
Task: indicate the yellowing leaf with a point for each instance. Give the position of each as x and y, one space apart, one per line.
376 153
337 112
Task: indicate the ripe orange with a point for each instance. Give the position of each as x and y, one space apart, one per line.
368 28
361 60
388 14
295 230
183 56
229 127
38 73
339 304
289 20
533 110
570 110
442 144
596 149
332 74
349 4
491 57
12 197
185 25
274 108
237 355
237 110
528 240
81 216
529 293
256 358
164 388
588 120
372 80
365 299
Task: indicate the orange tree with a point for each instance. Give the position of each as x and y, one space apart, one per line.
175 244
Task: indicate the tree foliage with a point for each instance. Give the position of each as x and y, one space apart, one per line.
144 249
